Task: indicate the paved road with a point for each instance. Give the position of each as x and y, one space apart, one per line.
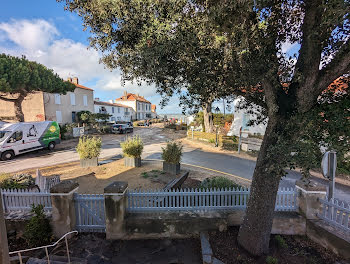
154 139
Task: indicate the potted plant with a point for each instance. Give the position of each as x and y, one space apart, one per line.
132 150
89 148
172 157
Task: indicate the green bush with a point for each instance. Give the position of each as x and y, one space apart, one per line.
281 243
17 181
218 182
105 129
172 152
271 260
89 147
132 147
229 145
38 231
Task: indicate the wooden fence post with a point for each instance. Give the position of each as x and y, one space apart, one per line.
4 250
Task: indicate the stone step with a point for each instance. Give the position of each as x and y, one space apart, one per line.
64 259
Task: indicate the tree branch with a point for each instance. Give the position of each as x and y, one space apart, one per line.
336 68
7 99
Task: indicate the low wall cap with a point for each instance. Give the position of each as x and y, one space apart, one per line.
64 187
312 186
116 187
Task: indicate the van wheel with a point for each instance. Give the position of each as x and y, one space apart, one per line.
51 145
8 155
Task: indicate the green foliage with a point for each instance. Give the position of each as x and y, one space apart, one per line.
152 174
229 145
38 231
17 181
218 182
105 129
281 243
20 77
172 153
132 147
211 140
271 260
67 129
89 147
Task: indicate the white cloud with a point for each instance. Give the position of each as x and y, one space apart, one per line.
39 40
30 35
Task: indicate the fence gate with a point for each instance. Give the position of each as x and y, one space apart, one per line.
90 212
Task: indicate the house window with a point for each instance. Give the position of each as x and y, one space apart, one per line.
59 116
112 109
85 100
118 110
72 99
57 99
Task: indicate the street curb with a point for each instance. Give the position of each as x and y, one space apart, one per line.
207 252
205 168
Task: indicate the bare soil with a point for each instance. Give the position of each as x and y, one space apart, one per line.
297 250
95 179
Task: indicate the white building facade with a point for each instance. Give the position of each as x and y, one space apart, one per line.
142 107
241 120
118 112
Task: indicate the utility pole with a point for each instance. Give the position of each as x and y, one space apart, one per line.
4 249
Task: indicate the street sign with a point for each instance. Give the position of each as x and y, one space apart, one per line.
329 166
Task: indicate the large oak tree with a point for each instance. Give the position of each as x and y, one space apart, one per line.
19 77
165 42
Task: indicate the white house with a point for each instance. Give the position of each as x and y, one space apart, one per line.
241 119
118 112
141 106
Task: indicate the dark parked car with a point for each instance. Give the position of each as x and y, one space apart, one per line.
122 129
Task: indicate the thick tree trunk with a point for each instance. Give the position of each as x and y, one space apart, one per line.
18 108
208 118
254 234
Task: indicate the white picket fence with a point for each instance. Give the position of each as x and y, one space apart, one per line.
199 200
23 199
336 213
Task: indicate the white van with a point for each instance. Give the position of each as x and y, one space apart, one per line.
18 138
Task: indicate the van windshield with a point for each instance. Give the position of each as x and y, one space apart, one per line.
3 135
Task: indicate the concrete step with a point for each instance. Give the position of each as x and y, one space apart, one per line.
64 259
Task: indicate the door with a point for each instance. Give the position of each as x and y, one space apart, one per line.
74 116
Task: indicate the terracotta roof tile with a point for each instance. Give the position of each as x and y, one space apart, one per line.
132 97
82 87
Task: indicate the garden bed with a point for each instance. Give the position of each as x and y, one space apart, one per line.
283 250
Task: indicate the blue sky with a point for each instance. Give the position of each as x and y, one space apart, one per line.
42 31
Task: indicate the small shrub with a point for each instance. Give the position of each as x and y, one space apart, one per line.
132 147
89 147
281 243
105 129
229 145
218 182
212 140
172 153
17 181
271 260
38 231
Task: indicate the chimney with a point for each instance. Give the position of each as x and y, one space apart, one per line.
97 99
125 93
75 80
69 79
138 95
